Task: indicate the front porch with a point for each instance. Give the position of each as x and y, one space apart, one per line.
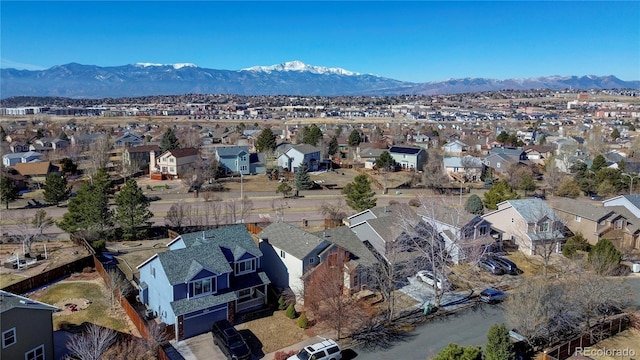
252 298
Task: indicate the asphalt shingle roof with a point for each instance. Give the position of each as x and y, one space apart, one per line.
9 301
404 150
581 209
291 239
343 237
224 151
532 210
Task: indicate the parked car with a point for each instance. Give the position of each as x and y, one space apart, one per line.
507 265
324 350
492 295
490 266
230 341
429 278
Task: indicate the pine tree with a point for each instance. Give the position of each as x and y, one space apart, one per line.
334 147
56 189
474 205
169 141
499 346
498 193
132 211
503 137
3 133
302 179
359 194
354 138
291 312
89 211
615 134
385 161
457 352
599 162
266 141
604 257
9 192
311 135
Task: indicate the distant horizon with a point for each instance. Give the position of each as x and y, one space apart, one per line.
331 66
413 41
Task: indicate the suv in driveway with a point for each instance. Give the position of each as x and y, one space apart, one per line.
324 350
491 266
230 341
507 265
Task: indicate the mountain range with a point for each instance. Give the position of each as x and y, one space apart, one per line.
290 78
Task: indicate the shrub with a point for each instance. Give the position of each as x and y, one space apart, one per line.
291 312
604 257
282 305
575 243
414 203
166 186
303 322
394 202
149 187
283 355
98 244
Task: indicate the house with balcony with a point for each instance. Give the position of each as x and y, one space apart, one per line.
615 223
203 277
297 154
530 225
455 148
172 164
27 328
234 159
466 236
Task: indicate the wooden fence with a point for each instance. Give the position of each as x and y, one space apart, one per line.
47 277
598 333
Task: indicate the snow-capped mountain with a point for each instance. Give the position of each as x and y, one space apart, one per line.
297 65
289 78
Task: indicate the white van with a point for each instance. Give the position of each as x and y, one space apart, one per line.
324 350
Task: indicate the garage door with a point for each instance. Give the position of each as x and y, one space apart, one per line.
200 322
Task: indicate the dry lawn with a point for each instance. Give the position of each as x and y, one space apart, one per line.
275 332
532 265
628 339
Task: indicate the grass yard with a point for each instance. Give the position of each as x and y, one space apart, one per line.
531 265
275 332
9 278
628 339
98 312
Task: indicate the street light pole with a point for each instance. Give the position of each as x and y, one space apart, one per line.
630 182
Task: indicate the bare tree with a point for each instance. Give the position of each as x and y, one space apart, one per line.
191 139
130 348
433 175
98 153
92 344
41 222
553 176
334 211
177 215
545 235
117 286
24 229
213 211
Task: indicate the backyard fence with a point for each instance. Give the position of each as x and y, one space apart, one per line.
47 277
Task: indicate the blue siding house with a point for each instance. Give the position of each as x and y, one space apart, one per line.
204 277
234 159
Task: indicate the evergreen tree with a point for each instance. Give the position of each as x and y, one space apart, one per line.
68 166
89 211
102 182
354 138
56 189
385 161
599 162
302 179
615 134
499 346
527 183
311 135
359 194
132 211
498 193
575 243
474 205
266 141
3 133
502 137
63 136
457 352
9 192
169 141
604 257
284 189
333 146
568 188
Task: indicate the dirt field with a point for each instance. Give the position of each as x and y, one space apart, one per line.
628 340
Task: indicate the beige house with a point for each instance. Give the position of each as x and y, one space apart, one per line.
27 328
173 163
529 224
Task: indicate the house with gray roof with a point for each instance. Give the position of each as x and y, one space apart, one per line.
529 224
27 328
595 222
23 157
409 157
463 168
234 159
204 276
293 157
290 252
629 201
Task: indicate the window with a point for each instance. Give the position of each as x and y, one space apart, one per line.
244 267
172 169
243 158
172 160
311 260
243 168
333 350
202 287
498 165
153 271
8 338
245 293
35 354
543 227
282 253
618 224
578 218
482 230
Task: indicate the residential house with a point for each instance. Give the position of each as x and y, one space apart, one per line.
173 163
139 157
128 140
595 223
36 172
289 252
466 236
27 328
19 146
501 159
203 277
234 159
23 157
529 224
463 168
83 141
630 202
538 154
292 158
409 157
455 148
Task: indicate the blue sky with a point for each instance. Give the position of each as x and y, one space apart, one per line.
413 41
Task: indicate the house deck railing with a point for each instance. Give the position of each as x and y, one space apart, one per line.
258 299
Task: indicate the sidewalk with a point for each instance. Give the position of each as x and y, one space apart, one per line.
294 347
